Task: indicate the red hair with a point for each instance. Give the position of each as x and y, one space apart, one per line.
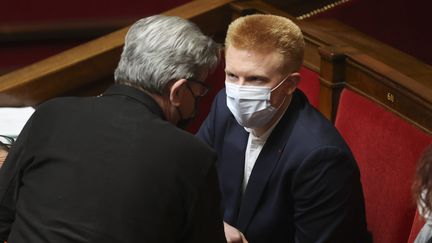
267 33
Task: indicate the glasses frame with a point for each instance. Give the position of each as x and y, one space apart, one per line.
204 85
8 145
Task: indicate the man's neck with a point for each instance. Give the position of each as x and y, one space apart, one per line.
165 105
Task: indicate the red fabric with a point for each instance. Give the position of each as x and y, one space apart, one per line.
416 227
386 148
310 85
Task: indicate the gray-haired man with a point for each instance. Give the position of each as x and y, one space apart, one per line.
114 168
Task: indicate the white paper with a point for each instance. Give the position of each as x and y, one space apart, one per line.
12 120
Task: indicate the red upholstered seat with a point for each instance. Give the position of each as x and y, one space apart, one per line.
386 148
310 85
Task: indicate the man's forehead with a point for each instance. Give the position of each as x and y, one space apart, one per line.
254 63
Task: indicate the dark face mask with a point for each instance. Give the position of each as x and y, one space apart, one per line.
185 121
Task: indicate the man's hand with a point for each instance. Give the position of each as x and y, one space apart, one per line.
233 235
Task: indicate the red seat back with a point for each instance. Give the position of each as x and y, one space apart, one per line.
386 148
310 85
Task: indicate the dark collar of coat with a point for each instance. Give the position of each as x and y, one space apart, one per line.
137 95
268 160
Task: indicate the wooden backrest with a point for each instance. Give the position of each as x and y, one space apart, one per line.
88 69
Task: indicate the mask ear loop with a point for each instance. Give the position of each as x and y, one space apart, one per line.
277 86
280 83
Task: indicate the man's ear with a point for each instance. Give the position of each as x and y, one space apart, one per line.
294 80
176 91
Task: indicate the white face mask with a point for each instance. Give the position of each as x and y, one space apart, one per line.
251 105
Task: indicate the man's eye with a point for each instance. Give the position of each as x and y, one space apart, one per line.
231 76
255 80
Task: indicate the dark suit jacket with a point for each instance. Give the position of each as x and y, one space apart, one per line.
304 187
108 169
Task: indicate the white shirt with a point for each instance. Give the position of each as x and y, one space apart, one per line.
253 149
12 120
426 232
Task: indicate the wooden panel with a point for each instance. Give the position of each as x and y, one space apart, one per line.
311 55
332 75
93 61
60 73
343 35
413 103
61 30
299 7
349 67
338 52
214 23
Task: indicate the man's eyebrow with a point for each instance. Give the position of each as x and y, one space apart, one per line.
251 77
257 77
228 72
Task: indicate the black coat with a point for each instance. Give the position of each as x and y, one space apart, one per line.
304 187
108 169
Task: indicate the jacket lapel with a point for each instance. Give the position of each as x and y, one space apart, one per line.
231 171
265 164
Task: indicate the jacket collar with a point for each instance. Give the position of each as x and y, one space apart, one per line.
267 161
137 95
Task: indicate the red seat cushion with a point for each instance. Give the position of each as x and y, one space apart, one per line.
310 85
386 148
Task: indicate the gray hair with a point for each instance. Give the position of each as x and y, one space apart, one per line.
159 49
